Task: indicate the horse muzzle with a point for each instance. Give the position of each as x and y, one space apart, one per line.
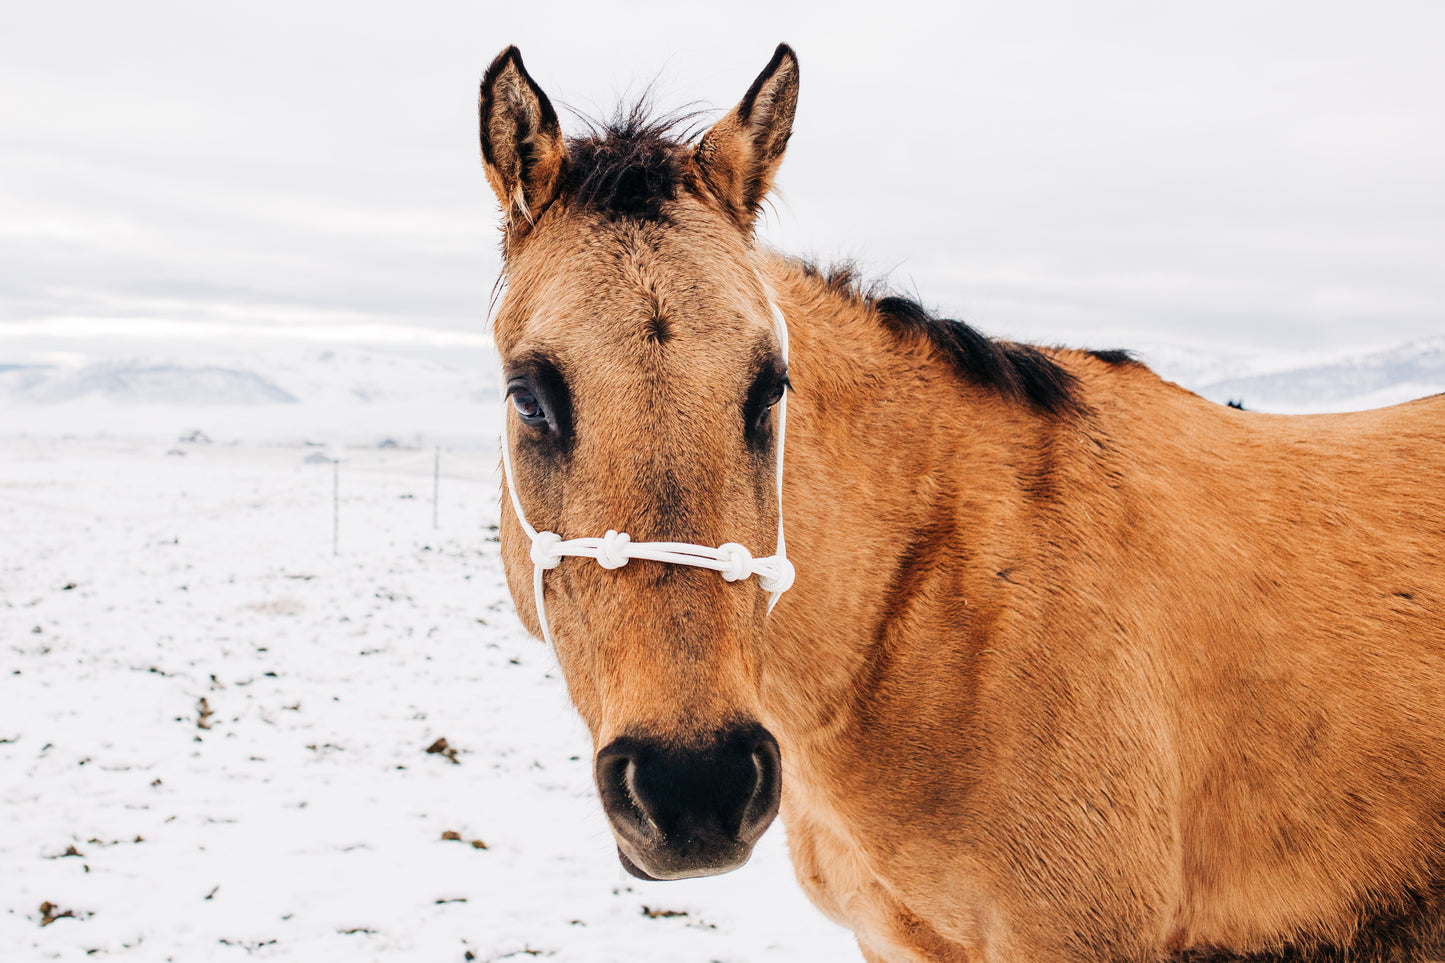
684 812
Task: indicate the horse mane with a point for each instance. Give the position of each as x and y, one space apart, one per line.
631 165
1021 372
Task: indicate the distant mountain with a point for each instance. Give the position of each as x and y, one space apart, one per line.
130 382
363 394
1384 377
347 376
276 392
332 377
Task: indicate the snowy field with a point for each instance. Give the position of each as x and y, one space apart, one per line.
214 732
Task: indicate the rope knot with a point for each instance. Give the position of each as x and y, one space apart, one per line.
544 550
778 576
739 561
612 553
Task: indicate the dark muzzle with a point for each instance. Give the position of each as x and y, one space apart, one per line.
696 811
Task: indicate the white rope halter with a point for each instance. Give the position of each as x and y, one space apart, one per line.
615 549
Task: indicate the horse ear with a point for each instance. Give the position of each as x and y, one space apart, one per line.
522 146
736 159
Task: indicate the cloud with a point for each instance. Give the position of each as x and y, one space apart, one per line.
1259 172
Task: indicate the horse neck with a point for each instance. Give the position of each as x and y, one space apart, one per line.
896 467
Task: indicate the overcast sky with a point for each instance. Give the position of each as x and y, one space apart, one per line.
1245 174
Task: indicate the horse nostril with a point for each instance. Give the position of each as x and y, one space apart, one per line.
616 784
767 790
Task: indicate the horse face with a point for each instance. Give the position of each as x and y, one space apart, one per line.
642 368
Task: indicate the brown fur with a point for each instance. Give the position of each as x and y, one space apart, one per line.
1136 678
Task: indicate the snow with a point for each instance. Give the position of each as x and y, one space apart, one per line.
1344 384
148 586
1307 381
276 392
143 382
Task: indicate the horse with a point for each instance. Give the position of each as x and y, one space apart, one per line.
1074 665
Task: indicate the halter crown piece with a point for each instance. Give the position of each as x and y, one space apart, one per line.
614 550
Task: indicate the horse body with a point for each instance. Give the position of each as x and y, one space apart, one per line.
1077 665
1159 674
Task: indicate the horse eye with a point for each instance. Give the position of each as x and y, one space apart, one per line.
769 402
777 393
528 407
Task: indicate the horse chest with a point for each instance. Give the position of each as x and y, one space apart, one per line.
893 918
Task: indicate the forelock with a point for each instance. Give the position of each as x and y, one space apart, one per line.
633 165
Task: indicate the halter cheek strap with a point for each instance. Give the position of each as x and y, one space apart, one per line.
615 549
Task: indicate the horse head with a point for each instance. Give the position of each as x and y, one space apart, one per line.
644 369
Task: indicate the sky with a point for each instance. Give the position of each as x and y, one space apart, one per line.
1248 175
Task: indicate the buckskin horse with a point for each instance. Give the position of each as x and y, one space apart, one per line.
1075 664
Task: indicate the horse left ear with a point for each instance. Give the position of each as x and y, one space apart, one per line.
735 161
523 150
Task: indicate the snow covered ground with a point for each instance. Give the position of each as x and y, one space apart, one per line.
214 732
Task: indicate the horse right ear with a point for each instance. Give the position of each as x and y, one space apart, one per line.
522 146
735 160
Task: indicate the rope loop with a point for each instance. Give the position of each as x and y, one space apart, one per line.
544 550
612 552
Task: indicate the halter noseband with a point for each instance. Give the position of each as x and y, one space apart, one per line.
614 550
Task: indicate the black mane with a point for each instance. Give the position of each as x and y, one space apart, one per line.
632 165
1018 371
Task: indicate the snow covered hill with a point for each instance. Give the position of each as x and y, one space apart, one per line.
1305 381
278 393
141 382
1365 381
